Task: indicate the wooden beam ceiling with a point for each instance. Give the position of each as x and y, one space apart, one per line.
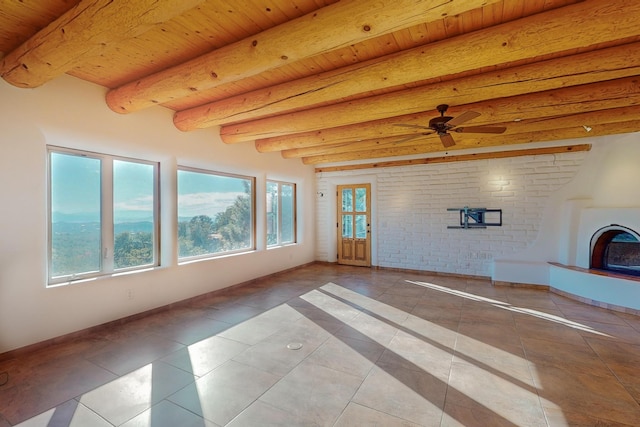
513 41
84 31
340 25
327 80
459 158
601 65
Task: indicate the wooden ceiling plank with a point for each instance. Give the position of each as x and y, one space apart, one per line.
572 70
537 35
327 29
552 135
459 158
83 31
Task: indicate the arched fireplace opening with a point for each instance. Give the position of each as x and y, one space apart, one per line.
616 248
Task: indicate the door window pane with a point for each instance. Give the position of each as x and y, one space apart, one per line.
347 226
361 226
75 214
347 200
361 199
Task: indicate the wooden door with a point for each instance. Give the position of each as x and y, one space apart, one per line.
354 224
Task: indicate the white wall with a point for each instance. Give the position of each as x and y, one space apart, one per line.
552 205
71 113
410 229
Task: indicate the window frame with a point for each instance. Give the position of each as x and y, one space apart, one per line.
252 222
107 225
294 195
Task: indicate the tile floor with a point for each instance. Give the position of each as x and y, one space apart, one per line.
379 348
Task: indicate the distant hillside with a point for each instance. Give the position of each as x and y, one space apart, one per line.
85 227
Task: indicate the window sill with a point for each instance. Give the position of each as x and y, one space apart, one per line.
101 277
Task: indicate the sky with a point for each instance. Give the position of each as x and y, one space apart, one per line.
75 188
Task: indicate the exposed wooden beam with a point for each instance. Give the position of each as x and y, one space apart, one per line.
327 29
515 134
541 34
559 102
605 64
460 158
552 135
84 31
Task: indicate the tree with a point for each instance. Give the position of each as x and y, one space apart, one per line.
133 249
234 224
200 230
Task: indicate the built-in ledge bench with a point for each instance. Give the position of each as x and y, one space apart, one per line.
605 289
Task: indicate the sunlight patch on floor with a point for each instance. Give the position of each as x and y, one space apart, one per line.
507 306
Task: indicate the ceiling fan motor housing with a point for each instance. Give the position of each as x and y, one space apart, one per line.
439 124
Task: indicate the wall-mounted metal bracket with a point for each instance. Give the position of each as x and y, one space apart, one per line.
478 217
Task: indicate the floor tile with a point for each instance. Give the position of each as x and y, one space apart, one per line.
233 313
593 396
205 355
70 414
351 356
379 347
224 392
190 331
487 394
167 414
53 384
125 356
420 354
134 393
403 393
273 354
264 415
358 415
313 394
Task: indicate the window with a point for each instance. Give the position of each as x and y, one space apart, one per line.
281 213
215 213
103 214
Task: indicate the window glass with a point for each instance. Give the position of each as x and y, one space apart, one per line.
288 213
103 214
347 226
215 213
273 230
75 215
347 200
281 213
361 226
361 199
133 210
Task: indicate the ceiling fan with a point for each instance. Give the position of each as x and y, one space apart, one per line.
443 124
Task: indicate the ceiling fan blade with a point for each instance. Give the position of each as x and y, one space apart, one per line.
464 117
412 126
414 136
447 140
481 129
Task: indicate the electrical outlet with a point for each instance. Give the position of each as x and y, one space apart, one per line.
129 294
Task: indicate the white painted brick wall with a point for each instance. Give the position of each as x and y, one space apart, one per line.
411 210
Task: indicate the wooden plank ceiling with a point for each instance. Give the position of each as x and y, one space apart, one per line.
328 81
